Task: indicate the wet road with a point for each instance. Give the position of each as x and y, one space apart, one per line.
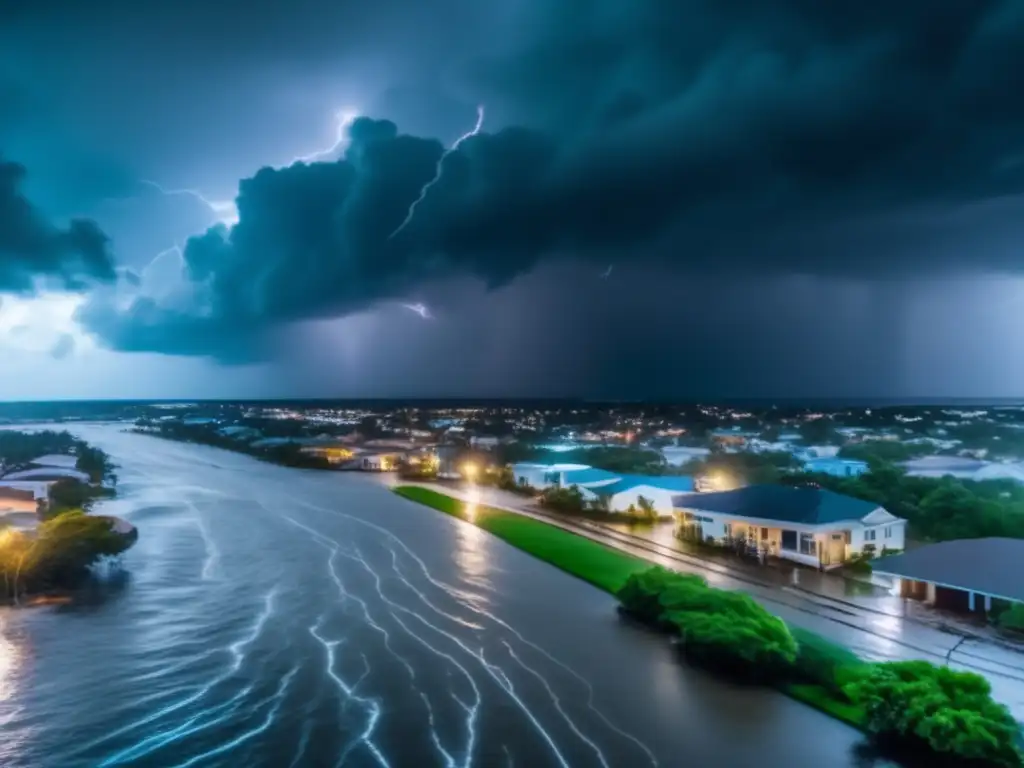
875 629
276 617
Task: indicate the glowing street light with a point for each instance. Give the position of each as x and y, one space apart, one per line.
469 471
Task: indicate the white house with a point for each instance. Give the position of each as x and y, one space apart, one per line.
807 525
659 490
836 467
545 475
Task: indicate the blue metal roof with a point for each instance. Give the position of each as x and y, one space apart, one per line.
674 483
589 475
835 461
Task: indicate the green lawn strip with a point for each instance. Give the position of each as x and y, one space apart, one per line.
602 566
823 700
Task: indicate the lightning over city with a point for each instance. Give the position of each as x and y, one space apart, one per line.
477 127
543 384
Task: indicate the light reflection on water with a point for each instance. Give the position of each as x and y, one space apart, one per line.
369 599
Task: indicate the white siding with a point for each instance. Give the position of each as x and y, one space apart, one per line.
661 499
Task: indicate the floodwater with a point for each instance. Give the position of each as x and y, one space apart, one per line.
278 617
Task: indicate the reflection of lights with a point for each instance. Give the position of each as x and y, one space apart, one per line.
11 658
472 505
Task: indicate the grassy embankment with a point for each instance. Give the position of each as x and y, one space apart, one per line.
602 566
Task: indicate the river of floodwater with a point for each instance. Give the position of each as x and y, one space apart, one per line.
277 617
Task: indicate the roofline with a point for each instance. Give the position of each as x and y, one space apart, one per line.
789 525
949 586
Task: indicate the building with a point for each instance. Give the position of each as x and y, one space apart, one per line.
677 455
376 462
626 491
484 442
811 526
17 500
961 575
964 468
836 467
544 475
335 454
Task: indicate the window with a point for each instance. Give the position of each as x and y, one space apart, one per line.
870 535
789 540
888 531
808 546
764 534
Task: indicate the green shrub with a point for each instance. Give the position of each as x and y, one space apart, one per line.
1013 618
692 594
822 662
723 630
914 703
640 596
757 649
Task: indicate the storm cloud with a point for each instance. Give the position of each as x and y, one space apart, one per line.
783 137
31 248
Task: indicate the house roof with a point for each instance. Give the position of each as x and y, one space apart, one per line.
834 461
589 475
677 483
806 506
990 566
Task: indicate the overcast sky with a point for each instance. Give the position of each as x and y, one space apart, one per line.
700 198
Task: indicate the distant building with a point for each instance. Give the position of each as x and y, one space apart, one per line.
542 476
836 467
677 455
808 452
659 490
811 526
964 468
17 500
484 442
961 575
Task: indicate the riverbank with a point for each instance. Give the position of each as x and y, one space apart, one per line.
611 570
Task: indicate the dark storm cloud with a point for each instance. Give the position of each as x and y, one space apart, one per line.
30 247
713 136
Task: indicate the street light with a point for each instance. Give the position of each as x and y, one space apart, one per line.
469 471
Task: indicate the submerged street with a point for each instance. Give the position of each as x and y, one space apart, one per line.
278 617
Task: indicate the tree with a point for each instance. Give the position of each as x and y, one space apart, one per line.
646 509
952 713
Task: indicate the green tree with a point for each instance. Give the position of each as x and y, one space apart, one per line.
950 712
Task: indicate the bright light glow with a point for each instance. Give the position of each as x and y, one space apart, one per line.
420 309
226 211
470 471
437 171
343 118
37 323
472 499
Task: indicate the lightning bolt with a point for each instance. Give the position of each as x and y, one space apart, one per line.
223 210
607 273
420 309
437 171
343 119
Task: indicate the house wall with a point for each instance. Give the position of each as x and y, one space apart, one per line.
532 476
661 499
827 551
889 535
